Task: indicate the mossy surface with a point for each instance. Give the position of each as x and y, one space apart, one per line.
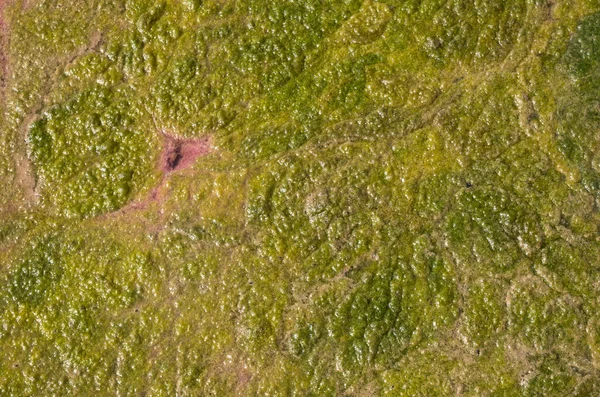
400 198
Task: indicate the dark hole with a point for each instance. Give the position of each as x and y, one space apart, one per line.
469 184
564 221
532 116
174 157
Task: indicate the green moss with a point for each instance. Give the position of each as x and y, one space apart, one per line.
91 154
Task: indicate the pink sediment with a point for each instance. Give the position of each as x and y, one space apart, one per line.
179 153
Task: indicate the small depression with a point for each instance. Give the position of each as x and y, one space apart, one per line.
179 154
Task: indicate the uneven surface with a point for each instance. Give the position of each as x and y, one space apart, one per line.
300 197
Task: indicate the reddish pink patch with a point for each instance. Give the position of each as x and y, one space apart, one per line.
181 153
177 154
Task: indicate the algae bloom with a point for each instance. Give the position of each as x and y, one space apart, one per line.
300 198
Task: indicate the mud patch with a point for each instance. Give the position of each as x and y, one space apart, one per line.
179 153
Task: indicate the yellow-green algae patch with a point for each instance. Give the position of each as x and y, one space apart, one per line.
401 198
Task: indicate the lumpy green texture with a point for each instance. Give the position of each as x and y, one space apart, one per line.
401 198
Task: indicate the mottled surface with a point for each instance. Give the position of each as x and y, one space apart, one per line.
300 197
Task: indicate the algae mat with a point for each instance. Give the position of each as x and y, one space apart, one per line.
300 198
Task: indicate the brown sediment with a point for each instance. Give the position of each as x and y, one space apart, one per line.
4 42
24 177
23 173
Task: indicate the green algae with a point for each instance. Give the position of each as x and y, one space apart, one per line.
401 198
